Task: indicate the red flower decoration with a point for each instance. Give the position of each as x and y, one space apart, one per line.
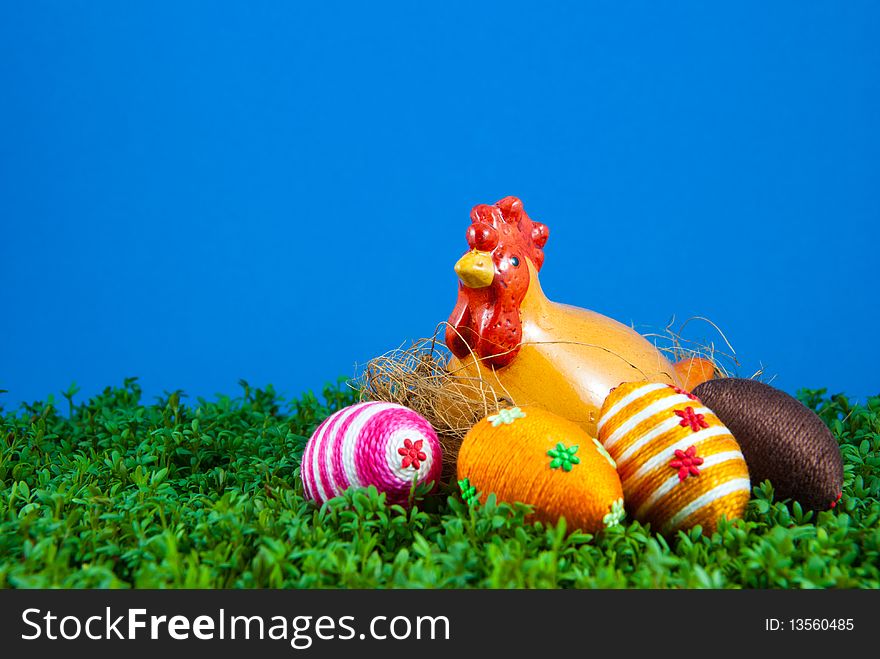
412 453
690 418
834 503
687 463
681 391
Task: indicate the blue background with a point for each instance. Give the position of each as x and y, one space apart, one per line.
194 193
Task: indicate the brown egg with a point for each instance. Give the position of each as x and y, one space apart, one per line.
782 440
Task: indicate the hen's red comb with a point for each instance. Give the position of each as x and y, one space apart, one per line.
487 219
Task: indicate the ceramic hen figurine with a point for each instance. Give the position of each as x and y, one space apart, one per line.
559 357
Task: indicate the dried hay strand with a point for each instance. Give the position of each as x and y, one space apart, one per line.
672 343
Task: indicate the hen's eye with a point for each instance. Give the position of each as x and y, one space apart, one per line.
514 260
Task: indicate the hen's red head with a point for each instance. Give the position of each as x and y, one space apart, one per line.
494 280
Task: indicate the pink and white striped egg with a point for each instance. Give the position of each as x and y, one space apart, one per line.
372 443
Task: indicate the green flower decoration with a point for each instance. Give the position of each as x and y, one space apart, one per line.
616 515
507 416
604 453
563 457
468 491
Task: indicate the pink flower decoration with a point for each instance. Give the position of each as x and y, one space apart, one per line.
690 418
412 453
687 463
681 391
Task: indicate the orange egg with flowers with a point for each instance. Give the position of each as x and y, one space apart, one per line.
534 456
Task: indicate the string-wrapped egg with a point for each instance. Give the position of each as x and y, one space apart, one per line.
533 456
679 464
782 440
373 443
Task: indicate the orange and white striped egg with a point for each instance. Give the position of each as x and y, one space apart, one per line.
679 464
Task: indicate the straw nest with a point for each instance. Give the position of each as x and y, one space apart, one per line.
418 377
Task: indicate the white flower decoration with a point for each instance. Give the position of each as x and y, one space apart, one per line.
507 416
616 515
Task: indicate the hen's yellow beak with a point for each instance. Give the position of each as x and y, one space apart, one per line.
475 269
